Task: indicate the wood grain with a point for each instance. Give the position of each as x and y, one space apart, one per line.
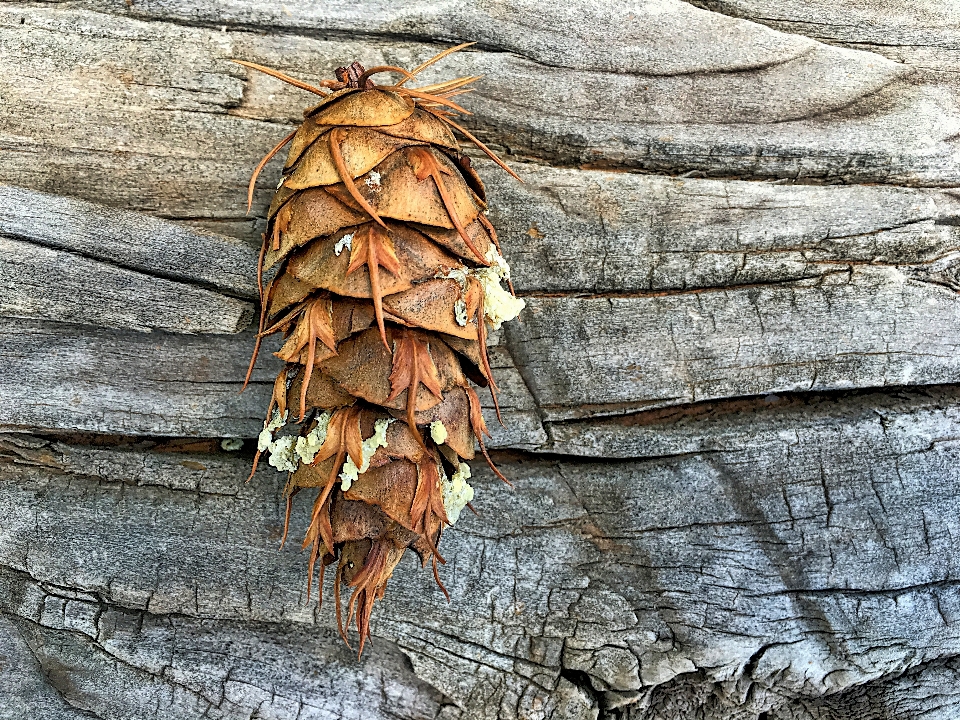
872 327
924 35
573 357
667 578
183 126
130 240
37 282
731 406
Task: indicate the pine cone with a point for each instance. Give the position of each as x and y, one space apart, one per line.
386 273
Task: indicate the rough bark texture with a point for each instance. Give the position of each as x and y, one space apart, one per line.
732 407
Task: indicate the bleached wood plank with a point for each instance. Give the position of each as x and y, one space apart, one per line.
64 376
41 283
74 378
130 240
575 231
169 126
789 557
577 356
572 231
869 327
613 37
768 571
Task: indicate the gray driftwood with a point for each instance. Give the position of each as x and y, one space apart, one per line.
732 406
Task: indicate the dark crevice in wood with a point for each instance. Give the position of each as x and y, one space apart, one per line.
802 281
43 671
826 404
548 456
581 680
892 592
158 444
861 398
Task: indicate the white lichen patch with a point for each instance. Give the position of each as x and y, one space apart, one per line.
457 492
231 444
308 446
438 432
346 242
460 274
373 181
498 262
283 456
287 452
498 304
350 471
460 312
265 439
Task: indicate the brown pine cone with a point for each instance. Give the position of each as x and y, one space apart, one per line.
386 273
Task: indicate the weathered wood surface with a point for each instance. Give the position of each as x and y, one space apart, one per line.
924 35
767 105
39 282
731 407
129 240
739 594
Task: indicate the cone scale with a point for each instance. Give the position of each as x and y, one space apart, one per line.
384 277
